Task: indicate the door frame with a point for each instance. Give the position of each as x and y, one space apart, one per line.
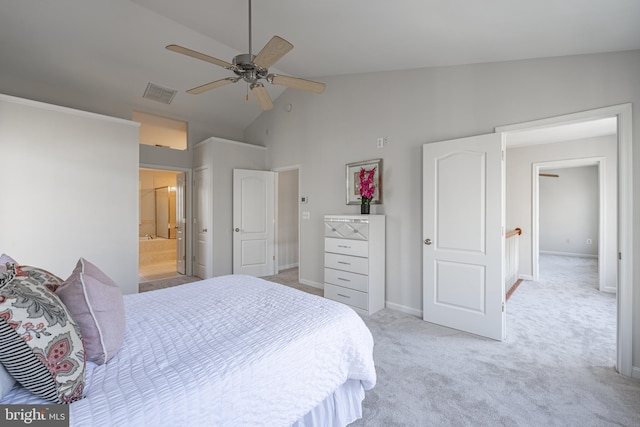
188 213
239 234
276 205
623 113
603 237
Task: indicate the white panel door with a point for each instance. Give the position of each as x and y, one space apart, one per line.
253 222
463 219
203 267
181 222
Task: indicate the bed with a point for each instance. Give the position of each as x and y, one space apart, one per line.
228 351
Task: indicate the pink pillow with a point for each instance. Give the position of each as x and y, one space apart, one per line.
95 302
4 259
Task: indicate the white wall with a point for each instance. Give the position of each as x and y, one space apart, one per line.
287 238
519 192
569 211
221 156
70 189
324 132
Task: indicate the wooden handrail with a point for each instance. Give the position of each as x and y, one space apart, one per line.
517 231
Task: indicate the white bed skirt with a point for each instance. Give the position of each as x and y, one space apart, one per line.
341 408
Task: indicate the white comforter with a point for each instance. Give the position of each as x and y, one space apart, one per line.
229 351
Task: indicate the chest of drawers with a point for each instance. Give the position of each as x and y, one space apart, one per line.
354 261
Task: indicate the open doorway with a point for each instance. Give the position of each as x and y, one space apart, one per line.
287 222
575 210
622 248
569 223
161 224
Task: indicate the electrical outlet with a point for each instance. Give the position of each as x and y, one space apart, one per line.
589 241
380 142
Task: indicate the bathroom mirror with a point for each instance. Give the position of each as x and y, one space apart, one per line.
166 212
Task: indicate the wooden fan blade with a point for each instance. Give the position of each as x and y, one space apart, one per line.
262 96
296 83
550 175
198 55
272 52
212 85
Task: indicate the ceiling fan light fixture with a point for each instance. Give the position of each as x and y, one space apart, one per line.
262 96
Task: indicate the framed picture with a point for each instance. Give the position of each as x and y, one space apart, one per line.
353 181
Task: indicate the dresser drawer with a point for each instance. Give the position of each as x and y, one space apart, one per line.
346 263
346 296
359 282
346 246
356 229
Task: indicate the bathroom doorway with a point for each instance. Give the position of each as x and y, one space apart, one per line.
161 224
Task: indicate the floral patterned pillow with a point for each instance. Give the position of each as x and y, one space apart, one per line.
40 344
49 280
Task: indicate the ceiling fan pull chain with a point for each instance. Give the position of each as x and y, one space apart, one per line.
247 96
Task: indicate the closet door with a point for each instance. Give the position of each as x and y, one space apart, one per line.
253 222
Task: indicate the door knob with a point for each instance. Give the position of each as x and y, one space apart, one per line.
237 230
204 230
427 242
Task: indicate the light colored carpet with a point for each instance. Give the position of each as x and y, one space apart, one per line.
289 277
556 367
166 283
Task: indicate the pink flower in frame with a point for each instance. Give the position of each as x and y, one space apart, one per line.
367 187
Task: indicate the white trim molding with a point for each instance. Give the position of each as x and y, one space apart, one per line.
624 115
404 309
311 283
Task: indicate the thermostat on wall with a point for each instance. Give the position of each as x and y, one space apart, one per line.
303 199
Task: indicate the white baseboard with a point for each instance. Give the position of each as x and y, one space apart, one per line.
286 267
404 309
635 373
310 283
525 277
568 254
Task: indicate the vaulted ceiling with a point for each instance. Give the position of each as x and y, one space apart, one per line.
100 55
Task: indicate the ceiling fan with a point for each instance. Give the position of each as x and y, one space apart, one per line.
253 68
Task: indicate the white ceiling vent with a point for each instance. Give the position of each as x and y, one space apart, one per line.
159 93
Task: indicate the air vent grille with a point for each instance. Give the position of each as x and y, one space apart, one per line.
159 93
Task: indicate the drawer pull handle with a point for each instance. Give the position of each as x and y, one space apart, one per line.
344 280
344 246
345 263
344 296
